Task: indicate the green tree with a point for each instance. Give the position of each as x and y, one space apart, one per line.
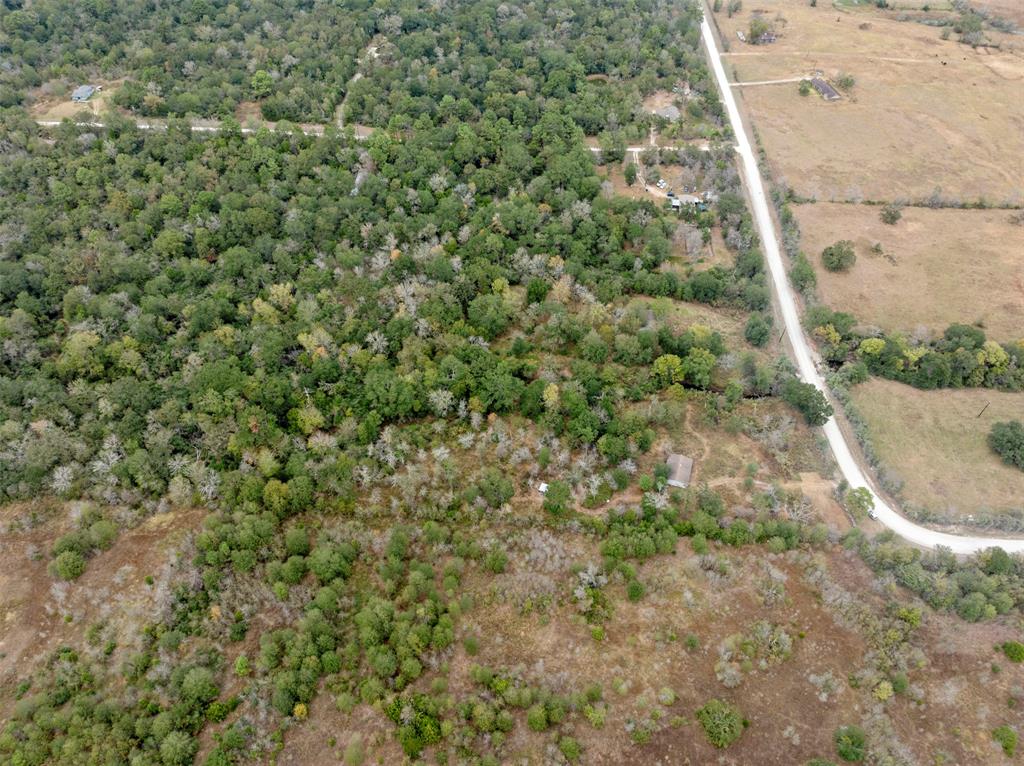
69 565
177 749
859 502
556 499
631 173
839 256
489 314
1007 440
758 330
698 365
806 398
758 27
261 84
668 369
802 274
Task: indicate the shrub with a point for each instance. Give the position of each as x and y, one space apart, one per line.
68 565
722 723
570 749
635 590
1007 440
496 560
758 330
537 718
557 497
851 742
839 257
102 534
355 753
1006 736
890 214
1014 651
802 274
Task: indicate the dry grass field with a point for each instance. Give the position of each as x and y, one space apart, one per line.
924 112
936 267
671 641
935 443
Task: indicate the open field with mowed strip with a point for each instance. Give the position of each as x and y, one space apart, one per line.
924 112
936 444
935 268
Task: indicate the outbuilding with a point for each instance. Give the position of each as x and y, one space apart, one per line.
680 469
83 93
826 91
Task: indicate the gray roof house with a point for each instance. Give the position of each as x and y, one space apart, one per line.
680 469
827 91
83 93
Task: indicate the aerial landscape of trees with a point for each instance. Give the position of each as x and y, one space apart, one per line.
408 380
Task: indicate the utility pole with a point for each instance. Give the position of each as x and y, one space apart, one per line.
983 410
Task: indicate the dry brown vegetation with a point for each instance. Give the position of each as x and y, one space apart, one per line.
934 268
41 613
924 112
672 639
935 443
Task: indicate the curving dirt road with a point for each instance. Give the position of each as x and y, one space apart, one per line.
848 465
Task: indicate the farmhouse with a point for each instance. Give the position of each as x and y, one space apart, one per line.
83 93
680 469
827 91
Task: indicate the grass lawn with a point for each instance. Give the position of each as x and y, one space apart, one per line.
936 444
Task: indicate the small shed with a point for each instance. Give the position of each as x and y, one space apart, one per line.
680 469
83 93
827 91
677 204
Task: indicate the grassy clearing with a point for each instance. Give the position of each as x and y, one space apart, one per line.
61 106
935 268
935 443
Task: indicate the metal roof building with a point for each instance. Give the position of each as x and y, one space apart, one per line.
680 469
83 93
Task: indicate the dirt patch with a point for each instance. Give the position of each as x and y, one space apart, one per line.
935 443
40 613
660 99
59 107
933 268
